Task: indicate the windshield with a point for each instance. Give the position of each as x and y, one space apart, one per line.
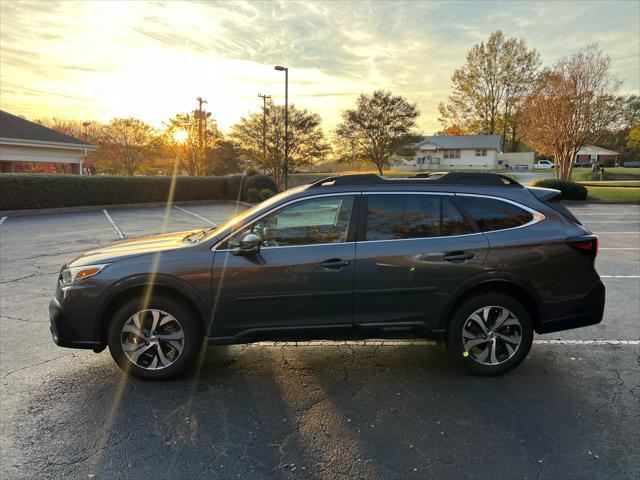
238 219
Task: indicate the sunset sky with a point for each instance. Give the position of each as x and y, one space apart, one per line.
97 60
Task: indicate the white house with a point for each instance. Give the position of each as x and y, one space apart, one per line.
454 151
24 142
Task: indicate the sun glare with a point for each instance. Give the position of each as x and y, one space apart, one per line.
180 136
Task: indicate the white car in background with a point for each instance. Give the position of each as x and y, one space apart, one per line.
544 164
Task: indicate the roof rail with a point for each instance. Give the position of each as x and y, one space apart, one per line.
348 180
436 178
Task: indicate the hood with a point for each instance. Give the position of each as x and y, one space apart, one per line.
136 246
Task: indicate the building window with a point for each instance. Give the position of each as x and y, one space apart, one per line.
481 152
451 153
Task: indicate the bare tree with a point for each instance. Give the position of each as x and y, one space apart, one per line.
307 143
381 127
572 105
489 89
126 144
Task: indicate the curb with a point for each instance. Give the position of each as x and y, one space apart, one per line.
92 208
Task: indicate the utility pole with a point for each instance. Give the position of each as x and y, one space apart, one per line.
264 129
280 68
200 116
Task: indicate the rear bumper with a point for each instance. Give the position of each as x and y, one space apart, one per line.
569 314
66 332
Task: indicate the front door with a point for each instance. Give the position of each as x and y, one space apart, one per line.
415 249
300 280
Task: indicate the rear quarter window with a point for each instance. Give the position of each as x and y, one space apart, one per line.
490 214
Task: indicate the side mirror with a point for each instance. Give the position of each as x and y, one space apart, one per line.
249 244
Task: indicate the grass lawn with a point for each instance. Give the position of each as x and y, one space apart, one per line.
614 194
610 173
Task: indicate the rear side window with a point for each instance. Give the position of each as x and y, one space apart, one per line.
492 214
397 217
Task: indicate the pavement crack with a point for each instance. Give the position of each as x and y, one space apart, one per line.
18 319
37 364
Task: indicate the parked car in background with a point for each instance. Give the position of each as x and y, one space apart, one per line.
474 259
544 164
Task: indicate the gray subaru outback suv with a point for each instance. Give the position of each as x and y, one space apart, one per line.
476 260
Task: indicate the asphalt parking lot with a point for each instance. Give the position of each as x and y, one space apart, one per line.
321 410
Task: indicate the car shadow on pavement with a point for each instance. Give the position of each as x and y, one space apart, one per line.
331 412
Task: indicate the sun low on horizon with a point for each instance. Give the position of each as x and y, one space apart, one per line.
150 60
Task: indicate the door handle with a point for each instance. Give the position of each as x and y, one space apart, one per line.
458 257
334 263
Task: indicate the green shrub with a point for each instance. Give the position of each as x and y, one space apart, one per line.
265 193
252 172
235 186
570 190
253 195
261 182
22 191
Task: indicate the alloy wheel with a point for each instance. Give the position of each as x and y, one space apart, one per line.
491 335
152 339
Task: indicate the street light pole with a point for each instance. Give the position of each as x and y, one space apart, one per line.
264 128
286 124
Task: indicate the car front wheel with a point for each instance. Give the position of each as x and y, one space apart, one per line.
158 340
490 334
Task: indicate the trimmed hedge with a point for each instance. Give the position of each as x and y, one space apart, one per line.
570 190
22 191
261 182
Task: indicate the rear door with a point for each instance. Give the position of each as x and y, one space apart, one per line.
413 249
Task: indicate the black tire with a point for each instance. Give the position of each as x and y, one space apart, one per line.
455 344
191 329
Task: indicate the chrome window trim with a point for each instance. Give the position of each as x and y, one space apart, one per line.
537 216
421 238
292 246
273 210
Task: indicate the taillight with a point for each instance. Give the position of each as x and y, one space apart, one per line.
587 244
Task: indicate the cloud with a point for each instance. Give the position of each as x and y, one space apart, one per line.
151 59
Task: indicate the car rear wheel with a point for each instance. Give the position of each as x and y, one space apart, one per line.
154 341
490 334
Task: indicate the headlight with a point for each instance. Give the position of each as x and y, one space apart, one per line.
71 276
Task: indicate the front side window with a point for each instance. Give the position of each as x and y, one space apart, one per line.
398 216
490 214
308 222
451 154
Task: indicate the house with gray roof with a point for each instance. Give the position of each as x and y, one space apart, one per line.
26 143
454 151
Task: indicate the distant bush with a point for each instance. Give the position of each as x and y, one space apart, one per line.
260 182
570 190
22 191
236 186
265 193
251 172
253 195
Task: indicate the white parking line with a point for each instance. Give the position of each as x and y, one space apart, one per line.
620 248
196 215
115 227
587 342
602 233
619 276
2 220
390 343
613 221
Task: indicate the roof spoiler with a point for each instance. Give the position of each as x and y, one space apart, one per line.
544 194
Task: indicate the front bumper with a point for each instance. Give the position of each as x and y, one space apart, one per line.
577 313
70 324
